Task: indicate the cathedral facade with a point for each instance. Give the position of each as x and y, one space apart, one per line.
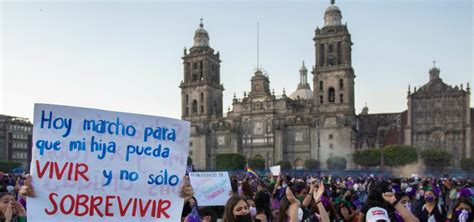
315 123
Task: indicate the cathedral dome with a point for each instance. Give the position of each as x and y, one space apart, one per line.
332 15
304 90
201 37
434 72
332 8
302 93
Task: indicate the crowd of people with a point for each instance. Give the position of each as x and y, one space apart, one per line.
287 198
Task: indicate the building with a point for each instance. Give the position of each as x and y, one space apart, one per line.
439 116
318 123
16 139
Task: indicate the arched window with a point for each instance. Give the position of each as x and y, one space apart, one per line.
339 53
195 107
321 85
321 54
341 83
201 78
331 59
202 97
321 99
202 109
298 163
187 111
187 99
331 95
341 98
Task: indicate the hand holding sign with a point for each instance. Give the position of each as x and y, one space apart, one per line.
93 165
212 188
27 189
187 191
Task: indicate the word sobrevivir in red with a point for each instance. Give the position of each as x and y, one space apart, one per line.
82 205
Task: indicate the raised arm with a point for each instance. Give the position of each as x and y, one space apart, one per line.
317 197
404 213
294 205
307 199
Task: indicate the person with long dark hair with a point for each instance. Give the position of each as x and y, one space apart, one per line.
345 207
463 210
262 204
290 208
432 209
10 209
237 210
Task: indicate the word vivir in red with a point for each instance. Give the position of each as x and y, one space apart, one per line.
59 170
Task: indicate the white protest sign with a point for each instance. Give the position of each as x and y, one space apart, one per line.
210 188
275 170
96 165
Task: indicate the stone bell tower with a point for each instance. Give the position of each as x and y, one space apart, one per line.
201 90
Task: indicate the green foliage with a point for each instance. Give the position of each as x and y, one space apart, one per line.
230 161
311 164
336 163
467 164
190 161
257 163
7 166
284 165
436 159
399 155
367 157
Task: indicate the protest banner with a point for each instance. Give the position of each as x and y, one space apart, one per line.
210 188
91 165
275 170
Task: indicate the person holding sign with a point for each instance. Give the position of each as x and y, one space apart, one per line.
90 164
12 209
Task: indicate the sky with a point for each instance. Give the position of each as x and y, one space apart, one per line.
126 55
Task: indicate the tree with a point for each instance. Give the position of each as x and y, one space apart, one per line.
399 155
7 166
284 165
436 159
257 163
367 157
230 161
467 164
336 163
311 164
